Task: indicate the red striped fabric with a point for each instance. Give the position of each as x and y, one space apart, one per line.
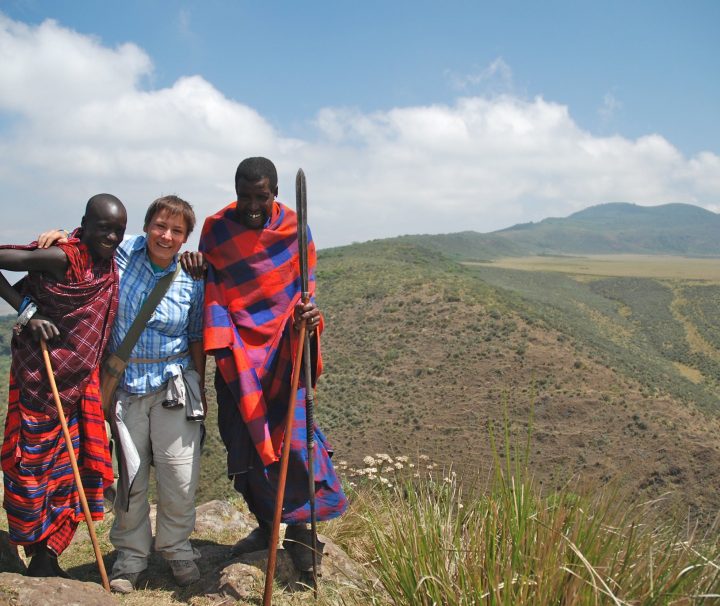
41 499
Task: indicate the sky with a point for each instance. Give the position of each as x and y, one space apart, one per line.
406 116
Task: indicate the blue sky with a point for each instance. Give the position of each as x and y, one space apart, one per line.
408 117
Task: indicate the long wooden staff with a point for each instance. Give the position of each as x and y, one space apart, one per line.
73 463
301 206
285 457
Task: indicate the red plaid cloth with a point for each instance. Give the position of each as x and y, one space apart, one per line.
83 308
252 286
40 496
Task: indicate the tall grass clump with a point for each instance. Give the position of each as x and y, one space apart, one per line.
512 545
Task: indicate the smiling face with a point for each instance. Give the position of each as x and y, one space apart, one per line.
254 202
103 226
166 233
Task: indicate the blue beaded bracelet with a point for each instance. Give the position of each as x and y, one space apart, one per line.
25 302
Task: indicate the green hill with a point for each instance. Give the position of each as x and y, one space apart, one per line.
423 354
674 229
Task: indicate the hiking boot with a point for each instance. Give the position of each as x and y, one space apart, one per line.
124 583
298 543
185 572
257 540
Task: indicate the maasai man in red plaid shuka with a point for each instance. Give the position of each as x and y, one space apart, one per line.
252 315
74 288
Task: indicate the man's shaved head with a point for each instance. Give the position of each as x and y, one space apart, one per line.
103 226
100 203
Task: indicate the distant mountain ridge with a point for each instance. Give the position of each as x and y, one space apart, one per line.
612 228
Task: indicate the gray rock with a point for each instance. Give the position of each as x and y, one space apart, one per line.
16 589
221 516
241 581
338 567
245 576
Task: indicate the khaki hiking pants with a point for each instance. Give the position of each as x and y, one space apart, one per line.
165 437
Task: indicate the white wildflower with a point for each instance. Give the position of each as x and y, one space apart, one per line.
368 460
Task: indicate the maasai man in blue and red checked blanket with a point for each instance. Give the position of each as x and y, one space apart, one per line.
74 286
252 315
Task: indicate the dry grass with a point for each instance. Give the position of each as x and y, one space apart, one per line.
645 266
512 546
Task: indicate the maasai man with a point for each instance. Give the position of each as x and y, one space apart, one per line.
75 288
252 318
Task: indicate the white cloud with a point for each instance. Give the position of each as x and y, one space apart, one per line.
79 118
184 24
47 70
610 106
496 77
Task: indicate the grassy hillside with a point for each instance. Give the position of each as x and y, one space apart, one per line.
673 229
423 355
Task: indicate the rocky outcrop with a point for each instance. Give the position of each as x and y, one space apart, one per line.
224 579
16 590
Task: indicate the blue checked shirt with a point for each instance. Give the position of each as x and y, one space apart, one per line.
175 323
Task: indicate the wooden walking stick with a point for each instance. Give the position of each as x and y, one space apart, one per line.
275 535
73 463
285 457
301 206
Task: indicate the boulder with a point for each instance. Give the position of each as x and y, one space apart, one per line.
16 589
